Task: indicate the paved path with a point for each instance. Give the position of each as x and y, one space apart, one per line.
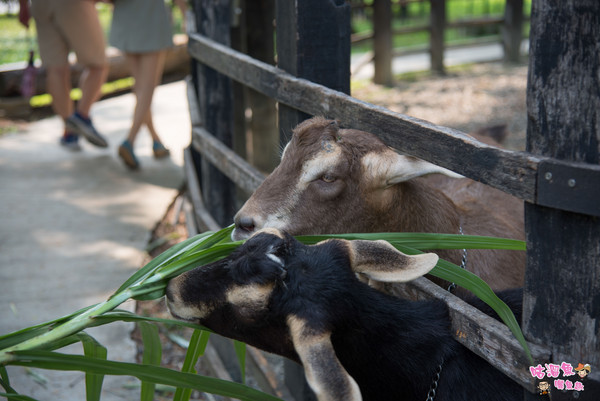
421 61
73 227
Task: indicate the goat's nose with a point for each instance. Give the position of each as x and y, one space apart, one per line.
245 223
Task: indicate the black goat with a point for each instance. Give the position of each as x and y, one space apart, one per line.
306 303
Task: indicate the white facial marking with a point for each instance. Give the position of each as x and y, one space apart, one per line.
323 161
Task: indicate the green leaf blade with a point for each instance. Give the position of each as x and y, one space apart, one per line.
151 356
93 382
197 347
155 374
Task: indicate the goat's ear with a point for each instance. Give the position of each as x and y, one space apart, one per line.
379 260
324 372
391 168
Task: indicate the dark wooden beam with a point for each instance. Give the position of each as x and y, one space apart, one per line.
512 30
436 40
215 99
562 282
382 42
509 171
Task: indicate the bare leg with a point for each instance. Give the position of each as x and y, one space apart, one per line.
59 86
146 69
91 84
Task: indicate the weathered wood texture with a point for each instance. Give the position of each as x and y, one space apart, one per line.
313 42
436 35
226 160
512 31
512 172
216 105
382 42
562 287
202 219
482 334
260 15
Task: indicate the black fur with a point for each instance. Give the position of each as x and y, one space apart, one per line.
390 346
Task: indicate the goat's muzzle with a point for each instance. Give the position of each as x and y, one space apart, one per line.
244 228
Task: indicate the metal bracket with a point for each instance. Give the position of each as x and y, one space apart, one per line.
574 187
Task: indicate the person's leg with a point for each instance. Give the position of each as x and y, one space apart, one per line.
146 69
157 146
81 28
90 83
54 52
58 84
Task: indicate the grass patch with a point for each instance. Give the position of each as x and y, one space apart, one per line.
108 88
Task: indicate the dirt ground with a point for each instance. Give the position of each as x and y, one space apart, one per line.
468 98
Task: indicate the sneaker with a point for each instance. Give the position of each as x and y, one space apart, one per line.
127 155
83 126
159 150
70 142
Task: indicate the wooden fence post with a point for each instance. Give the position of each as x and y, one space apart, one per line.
512 31
313 42
562 287
215 102
382 42
263 125
436 37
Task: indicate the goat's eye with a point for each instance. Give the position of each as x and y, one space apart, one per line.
327 178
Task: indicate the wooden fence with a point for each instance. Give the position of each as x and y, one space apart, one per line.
383 32
558 179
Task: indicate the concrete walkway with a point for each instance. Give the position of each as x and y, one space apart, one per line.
73 227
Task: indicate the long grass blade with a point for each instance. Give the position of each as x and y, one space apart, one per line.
151 356
464 278
169 254
423 241
240 351
126 316
200 241
155 374
196 349
17 337
93 381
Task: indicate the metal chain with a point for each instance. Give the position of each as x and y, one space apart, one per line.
436 378
434 384
463 263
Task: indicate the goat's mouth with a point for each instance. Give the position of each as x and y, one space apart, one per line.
241 233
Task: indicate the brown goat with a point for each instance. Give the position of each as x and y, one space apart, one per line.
333 180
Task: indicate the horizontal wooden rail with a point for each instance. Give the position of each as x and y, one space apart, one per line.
509 171
481 333
226 160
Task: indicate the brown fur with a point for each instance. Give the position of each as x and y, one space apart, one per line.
436 203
